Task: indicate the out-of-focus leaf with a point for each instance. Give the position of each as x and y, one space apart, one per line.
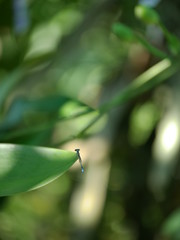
23 168
23 108
38 115
142 122
123 31
171 227
8 83
147 14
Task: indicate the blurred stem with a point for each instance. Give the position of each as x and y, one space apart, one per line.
42 127
173 41
81 133
146 81
151 49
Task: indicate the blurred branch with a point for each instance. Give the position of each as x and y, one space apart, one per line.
41 127
173 41
127 34
151 49
146 81
81 133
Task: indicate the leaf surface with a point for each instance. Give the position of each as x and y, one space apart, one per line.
23 168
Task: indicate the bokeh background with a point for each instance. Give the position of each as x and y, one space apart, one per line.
63 68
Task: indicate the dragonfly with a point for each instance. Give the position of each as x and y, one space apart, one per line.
80 160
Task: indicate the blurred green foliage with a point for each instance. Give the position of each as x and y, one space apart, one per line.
76 70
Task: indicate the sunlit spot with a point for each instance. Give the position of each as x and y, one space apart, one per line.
165 150
170 136
167 140
88 203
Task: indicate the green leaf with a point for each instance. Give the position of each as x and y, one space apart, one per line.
123 31
23 168
171 226
147 14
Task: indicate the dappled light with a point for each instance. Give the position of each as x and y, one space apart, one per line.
96 81
170 137
88 202
165 151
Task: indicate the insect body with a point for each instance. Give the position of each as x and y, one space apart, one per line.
80 160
